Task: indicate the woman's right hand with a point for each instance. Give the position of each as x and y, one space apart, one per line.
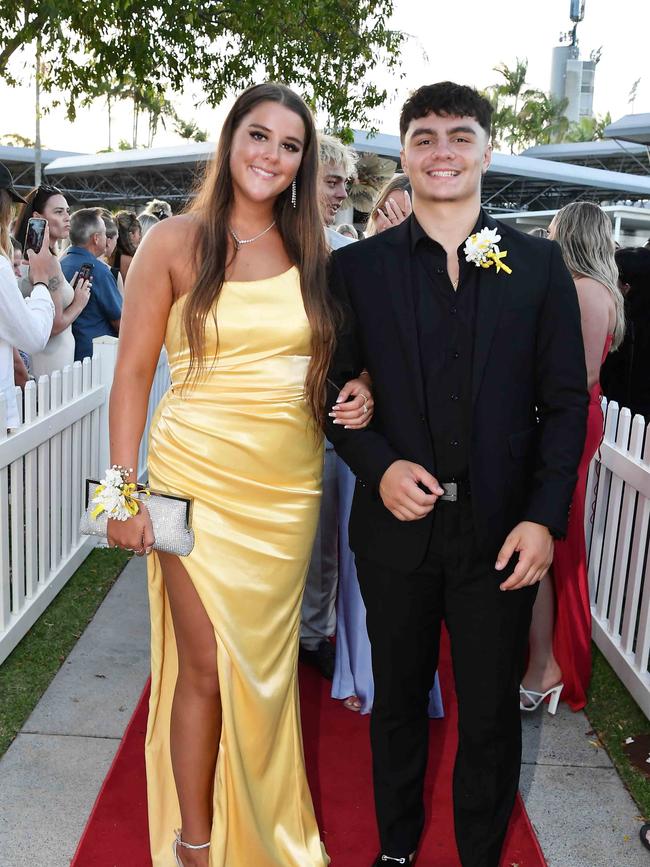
81 291
135 534
44 265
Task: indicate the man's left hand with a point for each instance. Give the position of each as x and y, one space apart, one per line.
534 544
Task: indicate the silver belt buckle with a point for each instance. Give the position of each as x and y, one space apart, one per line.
450 492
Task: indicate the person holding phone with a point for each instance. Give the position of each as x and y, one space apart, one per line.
102 314
23 322
45 204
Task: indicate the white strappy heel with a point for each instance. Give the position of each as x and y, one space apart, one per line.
536 698
178 842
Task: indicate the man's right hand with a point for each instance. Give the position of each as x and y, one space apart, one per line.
401 494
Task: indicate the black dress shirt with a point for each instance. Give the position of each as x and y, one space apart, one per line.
446 323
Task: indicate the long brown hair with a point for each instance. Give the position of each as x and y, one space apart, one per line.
584 232
301 230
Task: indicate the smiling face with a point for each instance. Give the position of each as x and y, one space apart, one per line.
57 213
445 157
266 151
332 186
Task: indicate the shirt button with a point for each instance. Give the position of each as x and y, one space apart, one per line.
453 442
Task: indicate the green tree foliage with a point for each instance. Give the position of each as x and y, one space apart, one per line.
14 139
524 116
588 128
324 48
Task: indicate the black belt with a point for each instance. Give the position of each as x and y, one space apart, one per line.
458 489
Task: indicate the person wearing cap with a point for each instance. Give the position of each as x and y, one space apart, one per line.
24 322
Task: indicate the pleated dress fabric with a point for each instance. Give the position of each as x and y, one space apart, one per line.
241 444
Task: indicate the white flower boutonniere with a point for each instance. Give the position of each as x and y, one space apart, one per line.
483 250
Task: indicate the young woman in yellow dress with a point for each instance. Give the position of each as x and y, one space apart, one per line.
236 289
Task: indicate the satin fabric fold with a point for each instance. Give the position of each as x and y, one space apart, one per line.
241 443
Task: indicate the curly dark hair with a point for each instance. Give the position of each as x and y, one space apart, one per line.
447 100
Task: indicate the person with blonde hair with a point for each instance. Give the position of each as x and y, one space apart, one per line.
338 164
559 664
158 209
146 221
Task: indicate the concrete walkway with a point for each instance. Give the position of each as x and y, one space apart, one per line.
51 774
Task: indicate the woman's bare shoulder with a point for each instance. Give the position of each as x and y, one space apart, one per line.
171 235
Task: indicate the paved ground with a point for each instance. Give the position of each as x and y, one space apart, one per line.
51 774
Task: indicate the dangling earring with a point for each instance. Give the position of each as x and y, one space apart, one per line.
293 193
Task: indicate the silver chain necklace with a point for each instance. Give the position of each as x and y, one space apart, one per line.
239 242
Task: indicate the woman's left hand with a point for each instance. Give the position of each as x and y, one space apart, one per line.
354 406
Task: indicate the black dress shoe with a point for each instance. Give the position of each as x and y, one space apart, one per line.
322 658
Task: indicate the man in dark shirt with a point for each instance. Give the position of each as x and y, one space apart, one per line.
103 312
470 332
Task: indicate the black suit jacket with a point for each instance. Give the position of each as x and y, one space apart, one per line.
529 391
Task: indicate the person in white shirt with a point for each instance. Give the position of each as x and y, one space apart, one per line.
24 322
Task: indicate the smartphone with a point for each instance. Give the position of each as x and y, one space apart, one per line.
85 272
35 234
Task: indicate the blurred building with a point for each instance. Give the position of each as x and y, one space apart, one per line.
571 77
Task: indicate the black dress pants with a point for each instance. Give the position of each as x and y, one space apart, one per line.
488 629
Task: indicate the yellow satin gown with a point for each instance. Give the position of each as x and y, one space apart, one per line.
241 444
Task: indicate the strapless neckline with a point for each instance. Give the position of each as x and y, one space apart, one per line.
242 283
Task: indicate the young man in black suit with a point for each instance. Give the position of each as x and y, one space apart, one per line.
465 474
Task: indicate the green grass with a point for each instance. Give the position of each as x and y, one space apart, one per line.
29 669
615 716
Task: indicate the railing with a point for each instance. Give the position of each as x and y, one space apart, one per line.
618 502
62 440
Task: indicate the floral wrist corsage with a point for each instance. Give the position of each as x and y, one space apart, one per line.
116 496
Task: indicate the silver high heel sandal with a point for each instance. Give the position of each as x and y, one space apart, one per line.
536 698
178 842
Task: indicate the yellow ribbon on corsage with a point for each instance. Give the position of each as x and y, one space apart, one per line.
122 504
495 257
482 249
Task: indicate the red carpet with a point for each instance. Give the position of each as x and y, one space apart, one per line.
338 764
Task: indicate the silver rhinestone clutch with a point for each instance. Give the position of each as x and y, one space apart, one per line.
171 517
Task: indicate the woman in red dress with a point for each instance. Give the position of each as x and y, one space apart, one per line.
560 636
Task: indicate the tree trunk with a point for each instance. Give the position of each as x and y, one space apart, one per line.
38 156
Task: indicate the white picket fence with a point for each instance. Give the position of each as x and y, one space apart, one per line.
61 441
616 525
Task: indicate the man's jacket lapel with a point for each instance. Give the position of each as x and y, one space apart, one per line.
491 293
399 285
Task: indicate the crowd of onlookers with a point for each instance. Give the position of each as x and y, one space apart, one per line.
93 250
